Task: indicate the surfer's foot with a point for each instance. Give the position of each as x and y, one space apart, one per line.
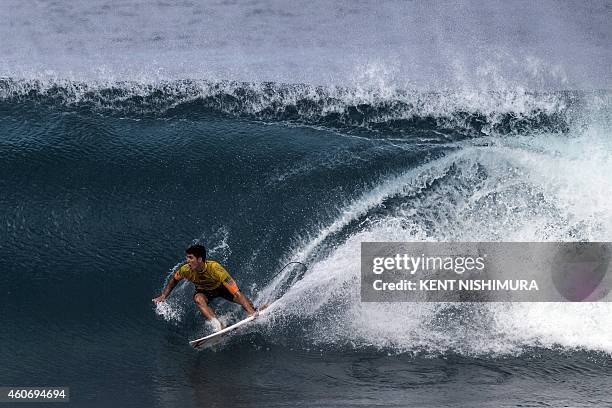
217 325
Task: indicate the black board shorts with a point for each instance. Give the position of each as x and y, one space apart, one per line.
221 291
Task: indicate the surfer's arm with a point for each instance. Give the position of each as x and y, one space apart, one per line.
245 303
171 284
239 298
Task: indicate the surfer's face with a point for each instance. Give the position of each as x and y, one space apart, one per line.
194 263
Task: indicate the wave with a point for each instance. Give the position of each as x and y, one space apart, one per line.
453 114
500 192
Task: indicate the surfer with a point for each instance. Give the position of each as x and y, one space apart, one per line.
211 281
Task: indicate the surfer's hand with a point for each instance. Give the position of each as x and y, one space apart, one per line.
259 310
159 299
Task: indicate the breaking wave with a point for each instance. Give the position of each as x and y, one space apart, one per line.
452 114
525 189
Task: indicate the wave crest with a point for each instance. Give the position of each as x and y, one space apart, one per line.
384 112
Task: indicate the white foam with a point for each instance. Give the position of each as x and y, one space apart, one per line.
537 188
171 311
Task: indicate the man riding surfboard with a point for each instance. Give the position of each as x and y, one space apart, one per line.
211 281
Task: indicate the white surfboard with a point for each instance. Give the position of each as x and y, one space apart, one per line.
219 336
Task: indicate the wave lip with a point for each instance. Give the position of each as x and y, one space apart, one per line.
371 110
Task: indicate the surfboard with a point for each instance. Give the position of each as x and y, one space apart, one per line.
218 337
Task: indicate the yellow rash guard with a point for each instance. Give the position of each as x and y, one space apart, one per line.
210 277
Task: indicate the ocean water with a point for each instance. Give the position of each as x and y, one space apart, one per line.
276 132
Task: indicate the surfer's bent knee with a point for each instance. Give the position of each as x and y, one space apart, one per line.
200 298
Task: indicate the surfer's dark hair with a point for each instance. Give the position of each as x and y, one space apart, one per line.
197 250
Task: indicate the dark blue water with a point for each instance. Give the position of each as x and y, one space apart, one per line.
128 133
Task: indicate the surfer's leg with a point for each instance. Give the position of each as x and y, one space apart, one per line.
202 303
